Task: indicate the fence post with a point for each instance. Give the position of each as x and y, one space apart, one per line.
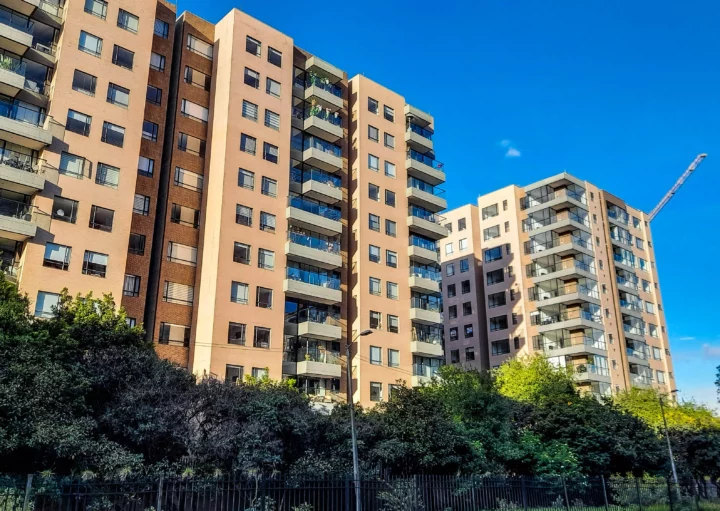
567 500
263 484
604 490
347 492
637 488
28 488
158 507
415 493
670 493
523 487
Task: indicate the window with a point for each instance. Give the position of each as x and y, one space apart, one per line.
653 330
252 78
266 259
375 391
153 95
162 28
454 333
463 244
241 253
497 300
246 179
272 87
182 254
452 311
375 355
507 226
465 287
469 352
84 82
490 211
78 123
174 334
270 152
131 322
650 307
390 228
491 232
449 249
136 245
512 294
514 318
243 215
141 204
393 324
95 264
267 222
493 254
373 105
196 78
388 113
264 298
389 141
465 265
657 353
495 277
462 224
253 46
505 205
373 162
450 269
107 175
375 320
451 290
374 222
639 243
128 21
448 226
115 135
90 43
64 209
200 47
636 222
374 254
373 133
375 286
393 358
72 165
45 304
190 180
373 192
274 57
390 198
390 169
498 323
262 337
150 131
391 289
467 309
272 120
57 256
131 286
239 293
236 333
101 218
96 8
391 258
123 57
646 286
248 144
454 356
660 377
234 374
250 110
194 111
500 347
185 216
259 372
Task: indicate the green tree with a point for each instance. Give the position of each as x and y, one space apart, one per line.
645 404
533 380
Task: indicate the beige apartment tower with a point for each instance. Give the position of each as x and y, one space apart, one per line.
248 205
567 270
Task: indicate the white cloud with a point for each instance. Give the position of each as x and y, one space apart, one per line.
711 351
686 338
512 151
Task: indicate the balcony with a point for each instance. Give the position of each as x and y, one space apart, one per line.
24 126
626 283
562 222
621 239
324 93
424 167
317 362
625 263
418 138
424 280
425 195
423 374
567 293
559 199
313 216
571 345
417 116
634 330
24 174
643 380
10 269
318 67
317 153
618 215
425 312
565 245
312 286
632 308
20 221
319 122
566 319
590 372
423 251
16 31
427 349
570 268
638 354
308 249
317 185
319 324
426 223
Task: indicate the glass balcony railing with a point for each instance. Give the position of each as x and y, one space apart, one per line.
538 270
424 304
425 273
642 354
618 214
428 334
641 379
585 368
424 214
16 20
316 143
534 247
548 345
51 8
21 161
622 238
322 317
420 131
298 176
622 281
324 84
532 224
20 113
422 158
315 208
423 243
623 260
424 187
15 209
548 319
309 241
318 354
12 65
633 306
425 370
530 201
539 294
633 330
323 114
313 278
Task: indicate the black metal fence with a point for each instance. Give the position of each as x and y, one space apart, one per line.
333 493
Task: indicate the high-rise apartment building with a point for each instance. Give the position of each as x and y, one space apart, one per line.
277 210
567 270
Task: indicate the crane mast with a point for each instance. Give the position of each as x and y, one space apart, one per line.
694 165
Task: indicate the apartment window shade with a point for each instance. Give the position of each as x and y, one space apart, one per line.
239 293
131 286
178 293
272 120
248 143
190 109
45 304
267 222
72 165
182 254
188 179
141 204
157 62
146 166
273 87
118 95
128 21
107 175
174 334
57 253
250 110
200 47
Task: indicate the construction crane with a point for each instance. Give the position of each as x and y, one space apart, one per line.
694 165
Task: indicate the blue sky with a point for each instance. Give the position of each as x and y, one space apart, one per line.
623 94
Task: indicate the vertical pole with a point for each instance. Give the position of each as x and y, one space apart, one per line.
524 492
670 496
637 488
263 483
347 493
567 500
415 494
670 453
28 488
158 507
356 462
604 490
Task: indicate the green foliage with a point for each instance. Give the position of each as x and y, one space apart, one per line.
533 380
645 404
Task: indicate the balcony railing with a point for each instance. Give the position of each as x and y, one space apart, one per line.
320 83
529 201
532 224
316 143
425 133
420 303
314 208
423 243
424 214
318 112
428 334
532 247
322 317
633 306
547 345
9 268
585 368
618 214
15 209
539 294
537 270
13 65
434 275
537 319
21 113
318 354
16 20
641 353
622 281
641 379
417 156
51 8
298 176
22 161
626 240
313 278
425 370
623 260
424 187
633 330
306 240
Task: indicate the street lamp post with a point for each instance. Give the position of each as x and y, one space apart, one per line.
356 461
667 437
